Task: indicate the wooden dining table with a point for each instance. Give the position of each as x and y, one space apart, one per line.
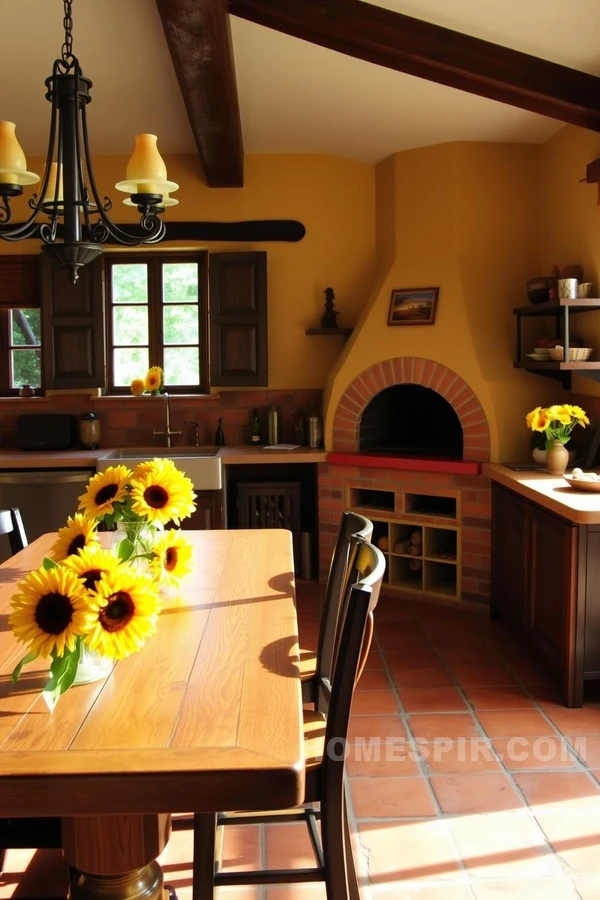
206 717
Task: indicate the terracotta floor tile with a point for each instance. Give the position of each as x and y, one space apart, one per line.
382 727
435 727
530 672
574 836
288 846
470 793
535 753
396 646
241 847
504 844
529 889
427 851
507 697
414 659
420 678
396 757
34 873
463 755
576 721
515 723
482 675
478 655
391 798
576 790
248 892
442 699
297 892
548 696
370 703
373 680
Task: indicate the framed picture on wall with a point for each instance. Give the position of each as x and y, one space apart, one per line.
413 306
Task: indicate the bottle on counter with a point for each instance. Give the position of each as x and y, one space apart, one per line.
220 435
255 428
89 431
273 425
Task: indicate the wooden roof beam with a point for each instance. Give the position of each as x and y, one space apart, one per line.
199 38
437 54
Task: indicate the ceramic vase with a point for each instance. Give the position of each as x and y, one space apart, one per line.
557 458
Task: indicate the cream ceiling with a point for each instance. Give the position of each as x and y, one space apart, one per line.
294 96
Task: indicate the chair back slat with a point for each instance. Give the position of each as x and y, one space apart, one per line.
11 524
352 527
361 598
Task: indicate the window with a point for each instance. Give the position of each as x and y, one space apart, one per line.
157 316
20 349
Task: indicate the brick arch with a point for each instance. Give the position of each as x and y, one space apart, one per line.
412 370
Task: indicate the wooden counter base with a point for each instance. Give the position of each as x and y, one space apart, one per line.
546 572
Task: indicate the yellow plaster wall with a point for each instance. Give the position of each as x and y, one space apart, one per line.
333 197
569 223
466 222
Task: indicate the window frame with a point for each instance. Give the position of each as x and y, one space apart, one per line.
154 261
6 348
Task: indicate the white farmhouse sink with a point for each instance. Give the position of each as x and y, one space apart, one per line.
201 464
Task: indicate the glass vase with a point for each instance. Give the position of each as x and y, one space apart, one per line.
92 666
557 458
139 537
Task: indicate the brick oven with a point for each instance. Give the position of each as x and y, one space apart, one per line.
409 436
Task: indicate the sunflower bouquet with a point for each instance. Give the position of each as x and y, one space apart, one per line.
556 422
86 599
152 383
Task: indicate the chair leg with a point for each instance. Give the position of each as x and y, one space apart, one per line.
204 856
353 891
334 848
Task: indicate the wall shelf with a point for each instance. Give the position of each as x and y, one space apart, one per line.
561 311
339 331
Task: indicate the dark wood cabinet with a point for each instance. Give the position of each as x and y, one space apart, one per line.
208 514
73 326
238 319
546 586
19 282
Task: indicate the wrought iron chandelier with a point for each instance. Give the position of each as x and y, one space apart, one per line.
77 222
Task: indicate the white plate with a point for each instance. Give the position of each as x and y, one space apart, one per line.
579 484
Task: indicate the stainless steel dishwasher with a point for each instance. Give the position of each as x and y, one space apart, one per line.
46 497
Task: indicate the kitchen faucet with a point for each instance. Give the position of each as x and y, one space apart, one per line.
167 429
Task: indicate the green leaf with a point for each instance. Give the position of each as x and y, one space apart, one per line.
49 564
125 549
29 657
62 675
109 521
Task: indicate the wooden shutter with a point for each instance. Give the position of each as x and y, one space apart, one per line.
19 282
238 319
73 326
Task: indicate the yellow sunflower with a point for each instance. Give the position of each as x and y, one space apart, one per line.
122 612
79 532
579 414
172 557
154 377
560 414
50 610
538 419
137 387
90 563
103 490
162 493
148 466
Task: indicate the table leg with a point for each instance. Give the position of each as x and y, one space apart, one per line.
114 857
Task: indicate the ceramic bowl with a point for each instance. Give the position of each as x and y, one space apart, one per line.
578 484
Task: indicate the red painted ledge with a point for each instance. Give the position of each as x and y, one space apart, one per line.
407 463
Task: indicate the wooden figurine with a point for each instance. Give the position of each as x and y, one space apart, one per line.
328 319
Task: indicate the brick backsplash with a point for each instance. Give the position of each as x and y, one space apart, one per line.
130 421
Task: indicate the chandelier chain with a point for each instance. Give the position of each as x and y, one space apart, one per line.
67 47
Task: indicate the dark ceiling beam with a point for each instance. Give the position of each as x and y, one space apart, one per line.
199 38
438 54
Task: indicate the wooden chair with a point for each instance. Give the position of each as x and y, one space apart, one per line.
352 526
11 524
26 832
325 727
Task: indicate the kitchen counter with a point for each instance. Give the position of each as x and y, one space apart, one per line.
548 491
76 459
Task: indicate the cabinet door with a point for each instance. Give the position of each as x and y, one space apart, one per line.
510 564
238 319
553 548
209 512
19 282
73 326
